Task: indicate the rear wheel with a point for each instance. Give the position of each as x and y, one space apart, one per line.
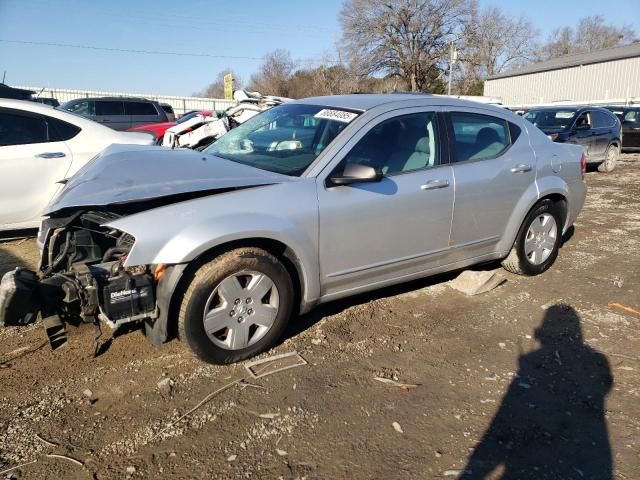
538 241
236 306
610 161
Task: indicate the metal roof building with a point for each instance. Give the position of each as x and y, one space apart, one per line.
611 74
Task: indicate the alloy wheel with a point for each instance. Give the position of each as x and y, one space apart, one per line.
541 238
241 310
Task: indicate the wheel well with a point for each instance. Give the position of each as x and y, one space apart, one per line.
276 248
558 199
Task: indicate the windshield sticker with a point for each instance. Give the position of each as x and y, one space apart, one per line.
337 115
565 114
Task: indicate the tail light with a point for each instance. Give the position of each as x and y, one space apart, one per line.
583 164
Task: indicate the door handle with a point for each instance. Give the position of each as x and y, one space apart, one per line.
51 155
434 184
521 168
105 121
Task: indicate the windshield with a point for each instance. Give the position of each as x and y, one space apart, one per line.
550 119
285 139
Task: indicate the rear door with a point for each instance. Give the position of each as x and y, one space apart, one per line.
604 130
142 113
32 160
493 165
111 114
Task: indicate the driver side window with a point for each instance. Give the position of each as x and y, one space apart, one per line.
584 119
398 145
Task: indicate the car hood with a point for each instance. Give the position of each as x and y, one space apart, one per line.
123 174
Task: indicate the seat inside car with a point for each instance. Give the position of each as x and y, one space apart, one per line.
407 160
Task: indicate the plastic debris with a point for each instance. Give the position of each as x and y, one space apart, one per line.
393 383
274 364
396 426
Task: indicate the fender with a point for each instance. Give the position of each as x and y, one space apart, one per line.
542 187
179 233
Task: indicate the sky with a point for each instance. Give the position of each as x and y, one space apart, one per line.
222 33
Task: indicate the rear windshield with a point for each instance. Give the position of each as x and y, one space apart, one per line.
550 119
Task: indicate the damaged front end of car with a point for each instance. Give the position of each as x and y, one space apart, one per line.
81 279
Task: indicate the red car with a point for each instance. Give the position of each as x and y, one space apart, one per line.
158 129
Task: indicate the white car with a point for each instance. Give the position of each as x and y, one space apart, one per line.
41 146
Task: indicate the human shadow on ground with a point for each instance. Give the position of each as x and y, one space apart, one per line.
551 422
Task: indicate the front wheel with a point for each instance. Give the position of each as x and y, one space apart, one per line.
236 306
610 161
538 241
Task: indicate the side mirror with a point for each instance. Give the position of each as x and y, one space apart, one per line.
355 173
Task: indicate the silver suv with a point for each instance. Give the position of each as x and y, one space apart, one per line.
119 113
308 202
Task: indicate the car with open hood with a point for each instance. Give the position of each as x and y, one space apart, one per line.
307 202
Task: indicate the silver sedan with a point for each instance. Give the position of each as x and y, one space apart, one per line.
311 201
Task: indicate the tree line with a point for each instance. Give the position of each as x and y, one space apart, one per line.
405 45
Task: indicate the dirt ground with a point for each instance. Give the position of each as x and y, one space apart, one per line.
538 378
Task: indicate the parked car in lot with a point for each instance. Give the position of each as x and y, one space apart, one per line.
158 129
40 146
119 113
630 119
350 193
595 128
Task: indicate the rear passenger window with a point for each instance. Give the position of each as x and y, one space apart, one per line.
478 137
139 108
107 107
22 129
602 120
61 131
401 144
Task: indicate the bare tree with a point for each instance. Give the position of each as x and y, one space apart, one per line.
272 77
495 43
404 38
591 34
216 89
492 43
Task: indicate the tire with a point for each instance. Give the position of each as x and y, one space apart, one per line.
611 159
241 327
534 251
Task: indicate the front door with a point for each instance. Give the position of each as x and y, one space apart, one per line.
372 233
30 166
493 165
582 134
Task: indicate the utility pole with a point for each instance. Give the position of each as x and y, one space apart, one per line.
453 56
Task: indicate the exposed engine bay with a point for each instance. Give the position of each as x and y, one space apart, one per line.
81 278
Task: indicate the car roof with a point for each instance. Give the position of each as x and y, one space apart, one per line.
571 108
368 101
27 105
135 99
56 112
